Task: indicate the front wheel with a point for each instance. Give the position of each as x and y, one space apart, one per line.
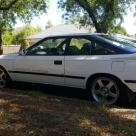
4 78
105 90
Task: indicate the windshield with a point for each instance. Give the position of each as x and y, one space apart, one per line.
121 43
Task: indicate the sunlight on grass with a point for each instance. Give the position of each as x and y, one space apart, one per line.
6 53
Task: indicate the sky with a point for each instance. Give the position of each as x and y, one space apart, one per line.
54 15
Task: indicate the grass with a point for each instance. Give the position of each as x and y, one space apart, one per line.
6 53
27 113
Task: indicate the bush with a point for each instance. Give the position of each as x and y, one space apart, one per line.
10 38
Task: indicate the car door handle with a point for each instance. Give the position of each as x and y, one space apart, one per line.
58 62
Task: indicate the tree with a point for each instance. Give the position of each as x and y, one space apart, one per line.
104 15
7 37
49 25
27 31
11 37
120 30
11 10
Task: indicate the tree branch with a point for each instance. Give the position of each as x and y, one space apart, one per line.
91 14
10 5
110 7
88 10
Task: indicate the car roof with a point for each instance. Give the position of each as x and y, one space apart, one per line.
94 34
77 34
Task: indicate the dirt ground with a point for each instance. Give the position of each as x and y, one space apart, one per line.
27 111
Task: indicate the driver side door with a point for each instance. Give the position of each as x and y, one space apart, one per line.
43 62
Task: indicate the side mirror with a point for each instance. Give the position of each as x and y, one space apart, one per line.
23 52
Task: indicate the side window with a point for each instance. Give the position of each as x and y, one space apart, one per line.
84 46
101 50
79 46
49 47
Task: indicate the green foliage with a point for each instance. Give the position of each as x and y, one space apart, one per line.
27 31
25 10
120 30
49 25
11 38
104 15
11 10
8 37
79 42
24 44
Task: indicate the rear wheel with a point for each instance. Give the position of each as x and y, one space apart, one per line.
106 90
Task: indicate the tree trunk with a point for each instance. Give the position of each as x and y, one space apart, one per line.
97 25
98 28
92 16
1 48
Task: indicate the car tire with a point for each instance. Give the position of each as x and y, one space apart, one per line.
107 90
5 80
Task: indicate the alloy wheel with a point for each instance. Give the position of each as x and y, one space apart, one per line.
2 78
105 90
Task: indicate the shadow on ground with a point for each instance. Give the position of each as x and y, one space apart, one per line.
52 90
29 113
61 91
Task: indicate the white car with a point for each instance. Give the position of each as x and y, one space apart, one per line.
103 64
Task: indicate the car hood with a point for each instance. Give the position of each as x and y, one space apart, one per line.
9 56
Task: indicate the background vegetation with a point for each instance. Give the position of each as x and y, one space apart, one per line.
10 37
105 15
49 25
25 10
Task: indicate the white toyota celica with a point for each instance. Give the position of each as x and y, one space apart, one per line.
104 65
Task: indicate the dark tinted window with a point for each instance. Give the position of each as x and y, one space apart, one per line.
120 43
